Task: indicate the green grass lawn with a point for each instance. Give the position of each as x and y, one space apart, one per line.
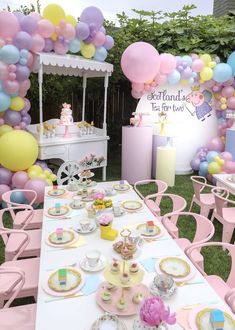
216 260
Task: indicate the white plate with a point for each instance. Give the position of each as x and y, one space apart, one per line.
77 207
122 187
56 192
80 231
85 265
108 321
64 211
62 243
132 206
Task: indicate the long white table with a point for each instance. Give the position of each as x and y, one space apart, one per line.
79 313
222 181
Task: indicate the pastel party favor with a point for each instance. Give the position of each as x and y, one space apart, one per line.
59 233
62 276
217 319
57 208
149 227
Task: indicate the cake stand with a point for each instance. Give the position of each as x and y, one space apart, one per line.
86 177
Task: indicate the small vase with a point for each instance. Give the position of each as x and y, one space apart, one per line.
139 325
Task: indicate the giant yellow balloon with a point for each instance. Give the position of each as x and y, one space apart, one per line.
18 150
5 129
54 13
87 50
17 103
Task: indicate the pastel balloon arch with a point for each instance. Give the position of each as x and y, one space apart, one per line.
146 69
21 38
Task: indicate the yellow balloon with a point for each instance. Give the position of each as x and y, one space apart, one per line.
212 64
54 36
88 50
223 106
206 74
54 13
5 129
223 100
17 103
42 176
49 182
47 173
184 82
205 58
71 20
18 150
33 174
214 168
53 177
35 168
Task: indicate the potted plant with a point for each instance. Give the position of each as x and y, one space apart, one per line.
154 315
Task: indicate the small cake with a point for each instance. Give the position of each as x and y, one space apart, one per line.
150 227
66 117
126 253
106 297
86 173
62 276
125 278
134 268
138 298
121 304
217 319
115 267
111 287
57 208
131 247
59 234
118 246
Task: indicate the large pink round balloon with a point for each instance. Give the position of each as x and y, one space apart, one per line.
229 166
19 179
9 24
226 155
167 63
216 144
37 185
140 62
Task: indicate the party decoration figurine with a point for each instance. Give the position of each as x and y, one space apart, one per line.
162 117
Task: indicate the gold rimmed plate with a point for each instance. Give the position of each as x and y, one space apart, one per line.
121 187
56 192
72 282
132 205
64 210
142 229
175 267
68 237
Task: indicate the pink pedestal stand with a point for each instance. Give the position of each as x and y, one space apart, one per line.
66 131
136 153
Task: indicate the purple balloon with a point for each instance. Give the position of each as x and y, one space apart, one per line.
88 40
180 68
102 29
12 118
28 24
186 74
5 176
26 119
49 45
109 42
92 27
18 15
195 164
22 72
92 15
27 104
82 30
23 40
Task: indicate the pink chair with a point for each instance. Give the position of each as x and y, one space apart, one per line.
161 187
222 288
20 216
205 201
14 239
223 213
30 269
230 299
21 317
204 232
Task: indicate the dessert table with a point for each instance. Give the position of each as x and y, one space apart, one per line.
223 180
80 312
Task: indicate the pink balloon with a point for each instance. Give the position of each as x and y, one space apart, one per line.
3 71
2 121
167 63
69 32
229 166
23 125
216 144
45 28
12 68
140 62
160 79
19 179
2 43
60 48
37 185
227 91
99 39
147 88
135 94
38 43
11 87
30 59
25 84
9 24
138 87
3 188
229 82
197 65
226 155
11 76
231 102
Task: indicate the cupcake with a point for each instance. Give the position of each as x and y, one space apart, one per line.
134 268
115 267
138 298
111 287
121 304
125 278
118 246
106 297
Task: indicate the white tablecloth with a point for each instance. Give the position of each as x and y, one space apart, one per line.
79 313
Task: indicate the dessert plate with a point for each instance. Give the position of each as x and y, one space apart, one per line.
108 321
115 278
157 232
64 210
199 318
176 267
111 306
81 206
91 174
69 237
85 265
56 192
121 187
132 206
75 281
